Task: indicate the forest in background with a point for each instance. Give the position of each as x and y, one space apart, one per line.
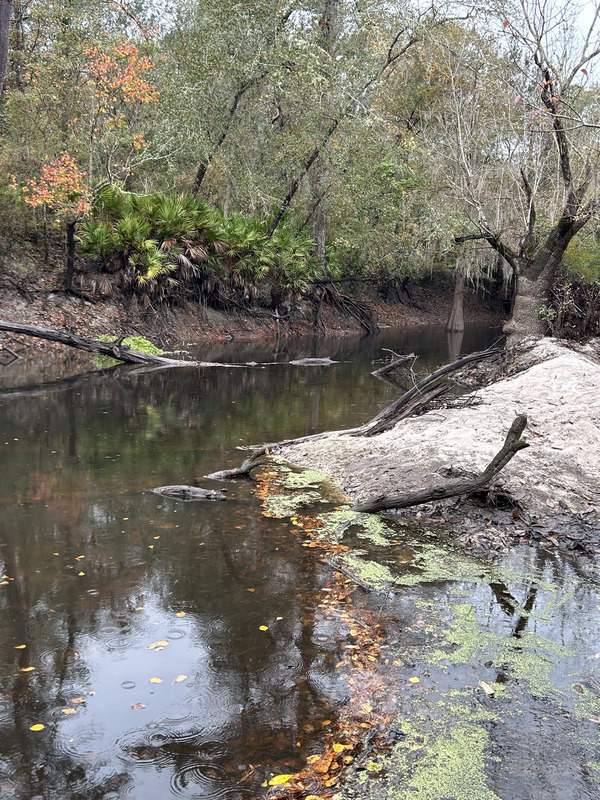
237 154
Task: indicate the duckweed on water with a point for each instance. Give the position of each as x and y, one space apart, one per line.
377 576
531 659
442 754
287 505
368 526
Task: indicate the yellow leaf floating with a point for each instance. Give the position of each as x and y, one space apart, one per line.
81 573
26 669
68 710
155 680
279 779
414 680
180 614
263 628
157 645
37 727
138 706
78 700
180 678
20 646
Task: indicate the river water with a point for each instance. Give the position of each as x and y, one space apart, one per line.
190 650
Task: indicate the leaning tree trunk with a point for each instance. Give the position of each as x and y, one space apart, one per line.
6 7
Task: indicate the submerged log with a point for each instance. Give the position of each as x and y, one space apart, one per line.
512 444
112 349
181 492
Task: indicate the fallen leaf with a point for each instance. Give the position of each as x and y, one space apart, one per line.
26 669
20 646
414 680
155 680
312 759
37 727
78 700
69 710
250 590
180 614
81 573
338 748
489 690
138 706
180 678
78 558
366 709
263 628
279 779
157 645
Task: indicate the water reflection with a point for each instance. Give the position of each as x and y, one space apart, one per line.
178 649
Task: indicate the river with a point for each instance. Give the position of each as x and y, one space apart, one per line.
153 648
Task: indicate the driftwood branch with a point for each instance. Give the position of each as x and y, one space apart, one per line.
389 416
512 444
410 402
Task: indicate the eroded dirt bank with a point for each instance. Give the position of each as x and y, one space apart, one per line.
555 481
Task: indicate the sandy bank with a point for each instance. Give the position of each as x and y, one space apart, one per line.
556 479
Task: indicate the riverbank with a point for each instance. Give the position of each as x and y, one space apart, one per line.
36 302
549 491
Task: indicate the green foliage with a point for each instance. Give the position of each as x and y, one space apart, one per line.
138 343
168 245
581 262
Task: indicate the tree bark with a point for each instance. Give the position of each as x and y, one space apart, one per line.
6 8
70 271
89 345
456 321
512 444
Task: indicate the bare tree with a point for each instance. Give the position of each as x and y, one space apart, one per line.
518 135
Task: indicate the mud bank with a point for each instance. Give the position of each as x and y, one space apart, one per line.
555 482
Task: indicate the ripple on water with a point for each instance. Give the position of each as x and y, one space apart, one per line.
209 778
87 742
5 710
116 637
71 657
176 633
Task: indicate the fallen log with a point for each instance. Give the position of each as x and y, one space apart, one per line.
409 403
393 413
512 444
112 349
182 492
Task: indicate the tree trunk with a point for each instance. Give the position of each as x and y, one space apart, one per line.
6 7
456 321
71 226
319 217
525 319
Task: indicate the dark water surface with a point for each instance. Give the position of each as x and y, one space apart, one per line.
141 616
